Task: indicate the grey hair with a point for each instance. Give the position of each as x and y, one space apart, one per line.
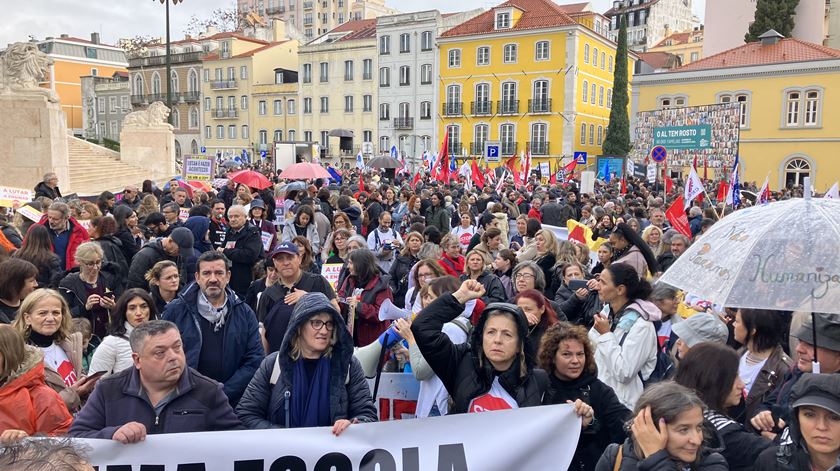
539 276
358 239
429 250
43 454
682 238
49 175
237 207
663 291
149 329
695 211
62 208
88 251
172 206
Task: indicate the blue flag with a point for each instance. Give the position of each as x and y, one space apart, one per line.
734 195
607 172
360 161
394 153
335 175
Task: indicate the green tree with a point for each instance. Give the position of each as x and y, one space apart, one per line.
772 14
617 141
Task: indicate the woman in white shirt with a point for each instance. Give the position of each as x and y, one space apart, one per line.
113 355
465 230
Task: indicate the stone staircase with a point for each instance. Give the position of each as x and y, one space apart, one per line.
94 169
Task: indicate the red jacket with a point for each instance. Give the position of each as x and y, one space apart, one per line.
367 326
78 236
452 266
28 404
535 214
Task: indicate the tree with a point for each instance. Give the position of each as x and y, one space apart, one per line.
772 14
617 141
138 45
223 19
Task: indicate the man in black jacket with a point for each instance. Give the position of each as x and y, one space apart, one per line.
243 246
49 187
177 247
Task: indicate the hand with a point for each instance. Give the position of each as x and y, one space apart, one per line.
584 411
131 432
341 425
403 327
401 353
107 302
582 293
532 319
294 296
12 435
220 249
84 386
650 439
92 300
469 290
602 324
594 284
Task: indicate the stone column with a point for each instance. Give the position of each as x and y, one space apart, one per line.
151 148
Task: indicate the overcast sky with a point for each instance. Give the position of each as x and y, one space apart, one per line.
116 19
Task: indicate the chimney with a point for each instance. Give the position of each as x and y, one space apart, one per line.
771 37
64 36
94 38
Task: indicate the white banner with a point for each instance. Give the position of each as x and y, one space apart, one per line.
530 438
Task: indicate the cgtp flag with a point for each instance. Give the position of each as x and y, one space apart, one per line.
764 192
476 175
693 187
833 193
733 197
676 216
360 160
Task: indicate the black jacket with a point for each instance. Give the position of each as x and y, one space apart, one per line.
112 248
709 460
129 245
610 416
791 454
739 446
582 311
73 289
466 372
145 259
399 277
665 260
552 214
247 249
493 287
41 189
12 234
50 273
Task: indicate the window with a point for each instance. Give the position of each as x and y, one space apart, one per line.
232 131
231 102
507 136
542 51
502 20
220 132
383 143
426 110
325 139
348 71
694 57
405 75
101 104
539 134
367 69
243 72
325 104
510 104
595 57
482 55
609 98
231 73
384 77
278 77
583 134
385 45
124 104
348 104
384 111
263 136
367 103
193 118
591 134
278 135
208 132
812 104
219 74
307 73
192 81
307 136
405 110
482 134
405 43
290 106
246 134
586 53
325 72
278 107
540 97
220 102
291 134
795 172
176 119
611 63
245 102
307 105
592 96
156 84
793 99
601 96
454 58
426 74
585 91
115 130
454 133
600 135
510 53
426 41
90 52
206 75
263 108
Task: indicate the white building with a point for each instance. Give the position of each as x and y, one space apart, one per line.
650 21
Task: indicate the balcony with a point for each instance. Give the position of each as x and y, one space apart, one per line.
308 5
189 97
154 61
156 97
542 105
481 108
538 147
307 22
225 113
477 148
403 123
275 10
138 99
223 85
507 107
453 108
509 148
455 149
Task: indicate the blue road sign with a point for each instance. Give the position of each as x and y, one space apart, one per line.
203 150
492 151
263 153
580 158
659 154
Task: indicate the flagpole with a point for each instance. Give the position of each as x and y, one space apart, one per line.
713 206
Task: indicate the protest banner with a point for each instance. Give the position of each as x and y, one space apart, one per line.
330 271
397 396
30 213
198 169
482 441
9 196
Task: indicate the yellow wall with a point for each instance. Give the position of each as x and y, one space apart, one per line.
68 85
683 50
765 145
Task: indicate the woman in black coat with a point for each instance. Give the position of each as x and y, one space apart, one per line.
37 250
494 290
400 269
567 355
126 219
495 370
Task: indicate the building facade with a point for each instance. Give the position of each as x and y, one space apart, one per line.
74 58
687 46
650 21
230 77
788 130
338 91
275 117
105 103
526 75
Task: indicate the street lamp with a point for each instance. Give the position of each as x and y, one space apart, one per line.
169 59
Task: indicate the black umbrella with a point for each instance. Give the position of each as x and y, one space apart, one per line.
385 162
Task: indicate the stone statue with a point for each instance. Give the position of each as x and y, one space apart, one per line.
23 67
154 116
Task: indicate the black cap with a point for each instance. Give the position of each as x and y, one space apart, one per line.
819 390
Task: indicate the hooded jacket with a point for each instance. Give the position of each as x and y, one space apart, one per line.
112 248
355 216
145 259
350 397
241 339
465 371
493 287
708 460
78 236
627 355
243 248
289 233
28 404
790 454
42 189
199 226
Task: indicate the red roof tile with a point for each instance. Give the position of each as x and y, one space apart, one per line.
358 29
786 50
259 49
657 60
536 14
574 7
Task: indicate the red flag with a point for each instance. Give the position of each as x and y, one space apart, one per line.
569 170
511 165
676 216
442 164
553 178
669 184
623 184
361 183
723 189
477 176
415 180
489 176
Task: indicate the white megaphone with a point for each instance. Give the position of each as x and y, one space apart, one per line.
389 312
369 356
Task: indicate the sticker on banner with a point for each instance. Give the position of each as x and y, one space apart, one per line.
184 214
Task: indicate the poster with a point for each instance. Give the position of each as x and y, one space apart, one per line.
330 271
10 195
198 169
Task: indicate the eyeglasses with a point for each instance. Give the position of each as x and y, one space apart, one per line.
92 263
522 276
318 323
425 276
340 238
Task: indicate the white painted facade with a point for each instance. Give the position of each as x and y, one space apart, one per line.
650 21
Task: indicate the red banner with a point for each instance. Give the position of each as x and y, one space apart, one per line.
677 217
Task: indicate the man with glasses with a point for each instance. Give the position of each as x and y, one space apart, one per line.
65 232
48 188
384 242
218 223
220 332
131 197
171 211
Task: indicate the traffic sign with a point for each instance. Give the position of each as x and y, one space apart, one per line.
492 152
580 158
659 153
203 150
263 153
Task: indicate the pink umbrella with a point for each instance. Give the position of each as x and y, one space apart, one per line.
250 179
304 171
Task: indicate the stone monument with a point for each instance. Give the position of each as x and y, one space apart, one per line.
147 141
33 129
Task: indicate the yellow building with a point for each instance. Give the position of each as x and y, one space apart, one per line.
529 76
785 87
232 74
73 59
687 46
276 117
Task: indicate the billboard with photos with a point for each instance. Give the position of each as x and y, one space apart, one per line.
724 120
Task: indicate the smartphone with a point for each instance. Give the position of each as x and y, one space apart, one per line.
575 285
94 376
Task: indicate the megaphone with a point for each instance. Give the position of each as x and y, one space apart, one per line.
389 312
369 356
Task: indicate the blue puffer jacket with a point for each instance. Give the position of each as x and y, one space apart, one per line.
350 396
243 349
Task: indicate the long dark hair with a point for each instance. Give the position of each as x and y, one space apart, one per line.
713 385
364 264
121 214
627 233
118 318
624 274
37 246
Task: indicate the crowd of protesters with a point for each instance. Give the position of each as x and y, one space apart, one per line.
120 313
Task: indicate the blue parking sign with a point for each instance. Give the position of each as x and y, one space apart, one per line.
580 158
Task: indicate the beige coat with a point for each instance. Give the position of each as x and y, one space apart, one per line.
72 346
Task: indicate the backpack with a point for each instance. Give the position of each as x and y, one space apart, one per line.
664 365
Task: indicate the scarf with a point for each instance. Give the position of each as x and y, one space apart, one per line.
213 315
40 340
310 401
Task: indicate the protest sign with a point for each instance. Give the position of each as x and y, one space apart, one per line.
397 396
330 271
198 169
9 196
481 441
30 213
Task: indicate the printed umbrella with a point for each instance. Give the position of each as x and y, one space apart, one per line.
304 171
200 185
250 178
385 162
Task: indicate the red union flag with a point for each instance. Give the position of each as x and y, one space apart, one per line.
676 216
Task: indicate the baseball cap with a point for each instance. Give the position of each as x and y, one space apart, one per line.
257 204
820 390
828 329
285 247
701 327
183 237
